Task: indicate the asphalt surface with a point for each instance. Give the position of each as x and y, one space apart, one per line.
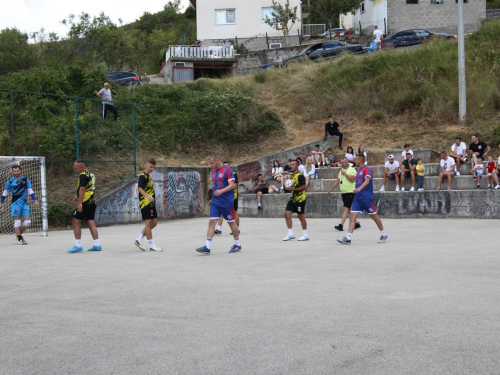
425 302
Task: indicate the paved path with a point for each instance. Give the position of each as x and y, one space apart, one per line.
426 302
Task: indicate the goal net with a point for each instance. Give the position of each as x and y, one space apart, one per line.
32 167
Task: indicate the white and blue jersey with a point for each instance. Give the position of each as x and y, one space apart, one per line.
20 189
364 200
224 203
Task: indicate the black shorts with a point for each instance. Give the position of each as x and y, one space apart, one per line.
88 212
149 212
263 191
296 207
347 198
235 205
407 174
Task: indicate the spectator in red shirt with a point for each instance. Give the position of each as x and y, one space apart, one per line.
490 172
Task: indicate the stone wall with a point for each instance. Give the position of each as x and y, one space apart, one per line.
255 43
249 63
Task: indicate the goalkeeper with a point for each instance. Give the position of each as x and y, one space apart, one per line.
20 187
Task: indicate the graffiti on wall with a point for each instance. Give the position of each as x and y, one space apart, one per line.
182 194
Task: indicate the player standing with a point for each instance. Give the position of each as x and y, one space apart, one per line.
147 204
297 203
235 205
363 200
20 187
85 209
222 204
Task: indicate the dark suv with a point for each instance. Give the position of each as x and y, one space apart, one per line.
124 78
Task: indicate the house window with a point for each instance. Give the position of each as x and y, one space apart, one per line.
362 7
411 1
266 12
225 16
437 1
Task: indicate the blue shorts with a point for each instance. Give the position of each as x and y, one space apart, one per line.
359 205
20 208
227 212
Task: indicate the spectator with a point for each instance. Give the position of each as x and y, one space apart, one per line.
261 187
447 169
477 149
405 151
459 153
310 171
107 101
353 40
408 171
350 155
318 157
377 37
361 150
347 40
420 168
333 128
301 168
346 180
391 172
277 61
477 171
225 44
330 158
490 170
277 173
496 173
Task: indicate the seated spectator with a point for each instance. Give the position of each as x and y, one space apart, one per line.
478 171
347 40
310 171
349 155
330 158
318 157
277 173
391 172
459 153
361 150
490 170
354 41
277 61
301 167
447 169
261 187
405 151
477 149
408 171
496 172
333 128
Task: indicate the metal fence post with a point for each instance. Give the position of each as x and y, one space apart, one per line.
13 148
77 131
133 137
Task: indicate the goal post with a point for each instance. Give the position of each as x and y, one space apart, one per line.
32 167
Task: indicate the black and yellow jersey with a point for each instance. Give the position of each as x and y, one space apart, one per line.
146 183
298 181
236 184
86 179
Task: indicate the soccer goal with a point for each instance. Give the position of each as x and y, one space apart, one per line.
32 167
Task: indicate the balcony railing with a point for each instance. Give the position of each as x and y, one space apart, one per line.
210 52
313 29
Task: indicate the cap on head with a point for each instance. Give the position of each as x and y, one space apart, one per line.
391 156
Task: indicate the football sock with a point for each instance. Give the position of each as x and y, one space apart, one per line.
151 243
78 243
304 232
97 243
219 228
140 238
259 204
349 236
382 233
237 241
208 244
290 232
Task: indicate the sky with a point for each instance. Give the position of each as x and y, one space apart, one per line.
32 15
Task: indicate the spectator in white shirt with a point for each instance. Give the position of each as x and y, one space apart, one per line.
406 151
277 173
459 153
391 172
447 169
310 170
377 36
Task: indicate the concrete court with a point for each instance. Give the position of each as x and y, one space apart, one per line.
426 302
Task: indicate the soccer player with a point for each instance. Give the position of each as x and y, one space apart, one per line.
85 209
222 204
147 204
235 205
20 187
297 203
363 200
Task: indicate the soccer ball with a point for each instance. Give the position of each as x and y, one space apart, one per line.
288 184
270 191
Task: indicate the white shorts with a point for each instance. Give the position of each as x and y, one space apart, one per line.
377 44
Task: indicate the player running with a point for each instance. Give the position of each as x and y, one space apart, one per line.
297 203
235 205
363 200
20 187
147 204
85 209
222 204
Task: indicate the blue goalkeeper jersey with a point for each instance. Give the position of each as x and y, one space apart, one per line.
19 188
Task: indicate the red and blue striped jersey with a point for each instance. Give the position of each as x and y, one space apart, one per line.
363 173
220 180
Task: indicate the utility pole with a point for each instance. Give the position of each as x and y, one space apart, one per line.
462 95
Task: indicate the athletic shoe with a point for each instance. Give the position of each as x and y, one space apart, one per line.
419 189
303 238
218 231
22 241
278 191
288 238
235 249
382 188
259 208
403 188
497 187
344 241
204 250
465 159
397 188
139 245
478 187
458 173
383 239
75 249
155 248
95 248
412 189
490 187
339 227
357 226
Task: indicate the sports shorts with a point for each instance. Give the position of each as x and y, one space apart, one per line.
149 212
88 212
235 205
227 212
478 174
347 198
360 205
407 174
296 207
20 208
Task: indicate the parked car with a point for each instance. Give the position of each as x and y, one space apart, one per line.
124 78
412 37
326 34
325 50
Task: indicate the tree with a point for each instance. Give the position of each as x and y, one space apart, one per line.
329 10
15 51
283 17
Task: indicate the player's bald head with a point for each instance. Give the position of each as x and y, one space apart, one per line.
79 166
214 161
